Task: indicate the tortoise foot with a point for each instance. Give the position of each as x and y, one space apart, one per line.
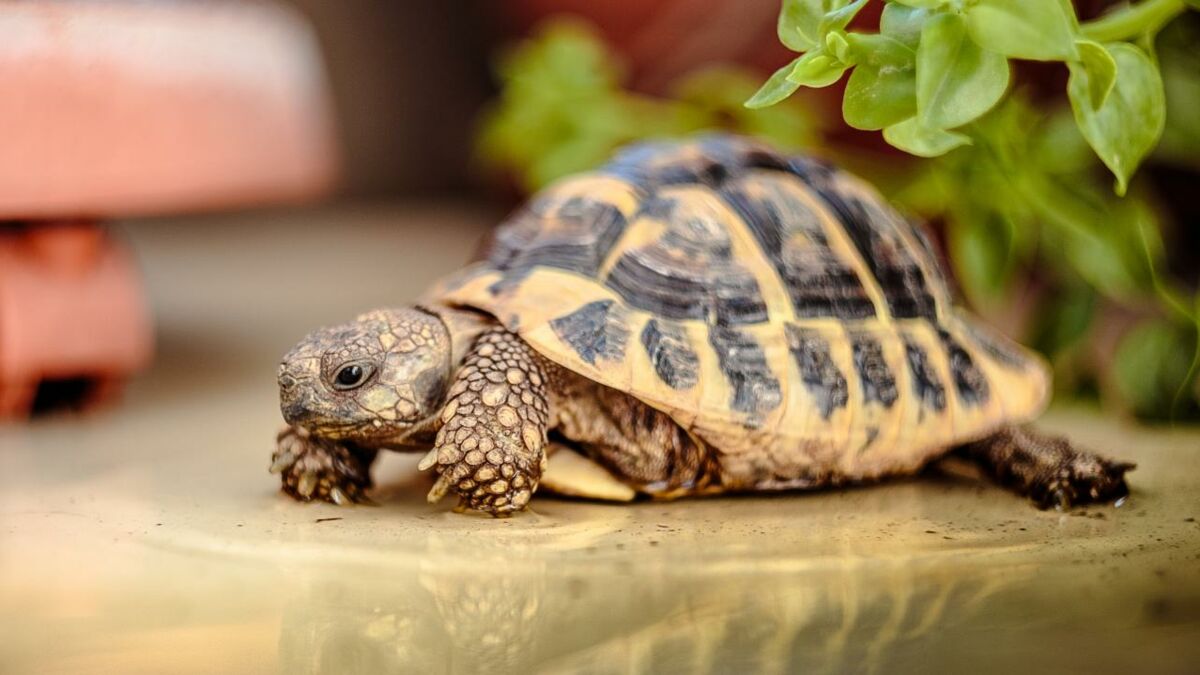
1049 469
313 468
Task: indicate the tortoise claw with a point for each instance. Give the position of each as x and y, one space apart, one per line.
1061 500
338 497
282 462
439 489
306 484
428 461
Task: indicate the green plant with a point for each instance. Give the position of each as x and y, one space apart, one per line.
563 108
935 66
1012 183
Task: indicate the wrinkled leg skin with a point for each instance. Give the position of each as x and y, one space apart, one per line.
320 469
1048 469
491 447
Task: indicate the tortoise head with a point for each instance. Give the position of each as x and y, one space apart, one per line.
374 381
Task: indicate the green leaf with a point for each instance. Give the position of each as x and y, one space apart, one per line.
803 24
817 69
837 44
956 80
1131 120
799 24
776 88
1042 30
915 138
882 90
840 17
903 23
1101 71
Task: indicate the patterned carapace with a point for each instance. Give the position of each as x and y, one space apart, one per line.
737 288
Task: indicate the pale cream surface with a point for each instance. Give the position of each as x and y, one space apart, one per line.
149 538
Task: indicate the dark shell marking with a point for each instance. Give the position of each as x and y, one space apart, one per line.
574 234
688 273
790 234
819 373
873 233
878 383
969 380
669 350
597 331
926 386
755 388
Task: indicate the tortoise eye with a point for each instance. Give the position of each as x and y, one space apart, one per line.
350 376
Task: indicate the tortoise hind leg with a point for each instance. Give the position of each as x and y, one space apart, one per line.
1050 470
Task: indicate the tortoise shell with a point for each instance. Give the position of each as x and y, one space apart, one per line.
763 301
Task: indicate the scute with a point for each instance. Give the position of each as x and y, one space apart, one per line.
820 375
766 302
681 263
670 351
596 331
819 283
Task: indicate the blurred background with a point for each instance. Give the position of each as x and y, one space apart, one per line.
481 103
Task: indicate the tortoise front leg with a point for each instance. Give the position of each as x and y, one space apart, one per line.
1048 469
491 448
317 468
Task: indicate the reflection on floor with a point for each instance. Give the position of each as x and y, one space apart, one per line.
149 538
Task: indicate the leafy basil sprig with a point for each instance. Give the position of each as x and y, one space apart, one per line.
936 66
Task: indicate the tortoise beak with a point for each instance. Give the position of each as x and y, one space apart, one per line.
294 412
295 400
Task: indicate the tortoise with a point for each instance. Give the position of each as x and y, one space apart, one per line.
694 318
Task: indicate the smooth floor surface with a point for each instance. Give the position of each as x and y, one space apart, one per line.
149 537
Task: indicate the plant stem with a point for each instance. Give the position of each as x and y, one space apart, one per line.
1132 21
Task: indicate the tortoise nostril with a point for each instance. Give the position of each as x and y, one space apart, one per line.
287 382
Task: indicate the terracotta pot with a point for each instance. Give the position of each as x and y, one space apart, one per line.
71 308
